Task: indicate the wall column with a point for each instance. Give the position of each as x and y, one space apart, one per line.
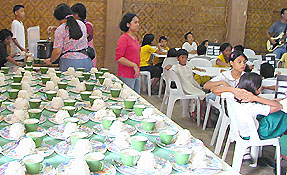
237 17
114 15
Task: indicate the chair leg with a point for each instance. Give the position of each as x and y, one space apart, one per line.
163 102
215 132
185 105
170 106
254 154
206 116
160 87
198 112
226 148
221 134
278 159
144 79
149 85
238 156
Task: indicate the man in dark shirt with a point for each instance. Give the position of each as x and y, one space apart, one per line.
5 39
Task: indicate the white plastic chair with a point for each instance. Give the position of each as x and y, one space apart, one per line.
175 94
257 64
213 62
238 114
249 52
211 103
167 61
146 81
200 62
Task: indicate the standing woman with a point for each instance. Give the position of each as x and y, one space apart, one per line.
80 13
70 41
128 52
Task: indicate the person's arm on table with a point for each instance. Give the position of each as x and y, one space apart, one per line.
220 63
129 63
55 55
10 59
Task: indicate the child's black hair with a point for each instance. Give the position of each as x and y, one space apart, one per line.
172 52
162 38
181 52
201 50
267 70
127 18
17 7
203 42
81 10
185 36
63 11
250 81
235 55
224 46
239 48
5 33
147 40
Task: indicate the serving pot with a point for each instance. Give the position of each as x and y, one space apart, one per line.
44 49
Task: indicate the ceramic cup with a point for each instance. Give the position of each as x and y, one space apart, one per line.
36 60
35 113
35 103
42 61
13 93
37 137
81 69
87 75
139 109
148 124
129 156
31 124
43 70
182 155
28 69
17 78
34 163
104 70
5 69
85 95
166 136
58 73
45 79
71 110
16 86
98 74
115 92
93 98
62 85
28 63
71 120
69 102
117 110
101 79
139 142
50 95
90 86
107 121
94 161
129 103
75 136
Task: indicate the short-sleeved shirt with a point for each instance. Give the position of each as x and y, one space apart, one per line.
284 59
18 30
226 76
130 49
189 47
146 52
62 40
3 54
221 58
277 28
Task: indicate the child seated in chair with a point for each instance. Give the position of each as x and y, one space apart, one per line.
185 74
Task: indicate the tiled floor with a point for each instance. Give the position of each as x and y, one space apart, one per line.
205 136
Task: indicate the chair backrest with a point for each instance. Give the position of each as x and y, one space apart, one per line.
213 62
249 52
257 64
172 76
281 86
200 62
240 118
169 61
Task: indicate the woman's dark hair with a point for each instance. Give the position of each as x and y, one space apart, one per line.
147 39
5 33
201 50
282 11
63 11
17 7
224 46
239 48
162 38
267 70
80 9
172 52
185 36
182 52
235 55
203 42
128 17
250 81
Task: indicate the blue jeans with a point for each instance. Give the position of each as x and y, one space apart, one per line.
134 83
280 51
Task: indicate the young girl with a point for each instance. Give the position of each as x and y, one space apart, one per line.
270 121
145 59
222 60
185 74
189 43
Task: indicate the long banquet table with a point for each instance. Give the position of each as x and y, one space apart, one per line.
56 159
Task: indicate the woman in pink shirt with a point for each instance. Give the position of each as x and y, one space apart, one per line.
128 52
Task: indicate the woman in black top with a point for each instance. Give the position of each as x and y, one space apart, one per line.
5 38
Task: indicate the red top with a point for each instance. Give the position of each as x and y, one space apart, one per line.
130 49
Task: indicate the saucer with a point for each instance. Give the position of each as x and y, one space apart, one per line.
112 147
4 132
11 107
105 132
193 142
66 149
57 131
155 132
98 119
82 117
133 116
8 119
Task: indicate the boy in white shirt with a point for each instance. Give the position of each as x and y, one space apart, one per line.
189 44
